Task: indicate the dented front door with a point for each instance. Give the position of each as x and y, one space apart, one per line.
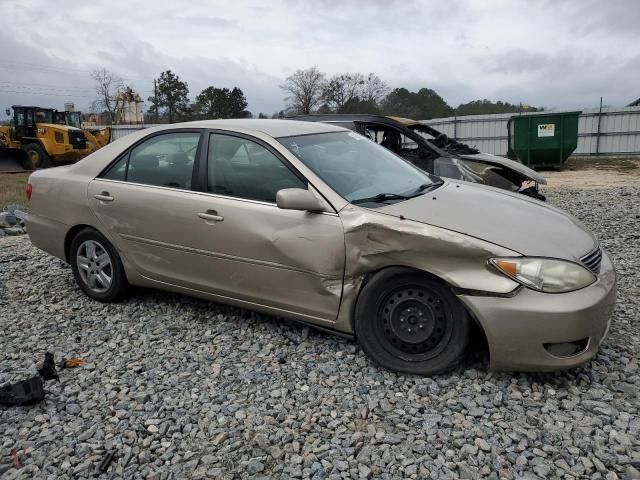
257 252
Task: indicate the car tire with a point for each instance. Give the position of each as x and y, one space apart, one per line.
97 267
411 323
36 157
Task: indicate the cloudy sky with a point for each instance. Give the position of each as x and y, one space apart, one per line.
553 53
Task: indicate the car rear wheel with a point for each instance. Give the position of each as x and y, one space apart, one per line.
411 323
97 267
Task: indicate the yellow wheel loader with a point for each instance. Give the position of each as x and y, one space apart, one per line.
96 137
34 140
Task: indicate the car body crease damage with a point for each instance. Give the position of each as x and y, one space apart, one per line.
375 241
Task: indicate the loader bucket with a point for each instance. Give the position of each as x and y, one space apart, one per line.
13 160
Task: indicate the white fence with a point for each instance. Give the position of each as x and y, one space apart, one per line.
119 131
614 131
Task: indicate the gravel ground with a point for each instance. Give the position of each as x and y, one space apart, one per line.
182 388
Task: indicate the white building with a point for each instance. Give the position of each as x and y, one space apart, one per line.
129 108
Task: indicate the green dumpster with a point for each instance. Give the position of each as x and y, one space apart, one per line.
544 140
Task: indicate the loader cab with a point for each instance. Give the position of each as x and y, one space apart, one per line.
70 119
26 119
59 118
73 119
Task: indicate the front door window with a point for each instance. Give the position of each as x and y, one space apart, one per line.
238 167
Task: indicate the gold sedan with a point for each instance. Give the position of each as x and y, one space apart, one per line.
316 223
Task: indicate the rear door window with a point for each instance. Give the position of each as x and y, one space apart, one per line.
164 160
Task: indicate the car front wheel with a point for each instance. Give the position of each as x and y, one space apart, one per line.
410 323
97 267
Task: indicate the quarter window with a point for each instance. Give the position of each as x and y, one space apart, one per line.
238 167
163 160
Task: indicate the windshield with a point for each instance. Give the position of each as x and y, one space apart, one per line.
356 167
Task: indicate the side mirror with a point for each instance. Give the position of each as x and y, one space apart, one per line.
298 199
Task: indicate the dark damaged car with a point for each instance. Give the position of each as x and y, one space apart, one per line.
436 153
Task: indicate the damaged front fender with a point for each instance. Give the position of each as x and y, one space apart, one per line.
375 240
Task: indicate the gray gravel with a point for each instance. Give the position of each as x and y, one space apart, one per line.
12 220
182 388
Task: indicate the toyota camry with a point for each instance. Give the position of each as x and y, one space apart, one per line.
317 223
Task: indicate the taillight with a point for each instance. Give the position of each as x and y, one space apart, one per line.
28 190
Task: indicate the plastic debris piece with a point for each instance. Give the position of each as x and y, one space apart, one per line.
16 459
106 461
26 392
73 362
48 369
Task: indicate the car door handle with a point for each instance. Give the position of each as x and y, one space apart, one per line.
103 197
211 216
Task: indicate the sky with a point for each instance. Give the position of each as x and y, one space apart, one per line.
558 54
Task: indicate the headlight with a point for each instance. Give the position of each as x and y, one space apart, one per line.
545 274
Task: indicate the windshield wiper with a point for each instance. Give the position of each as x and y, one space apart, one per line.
421 189
381 197
425 187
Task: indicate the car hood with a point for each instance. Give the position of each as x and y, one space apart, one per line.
526 172
510 220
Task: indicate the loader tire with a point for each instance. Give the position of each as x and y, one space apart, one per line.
36 157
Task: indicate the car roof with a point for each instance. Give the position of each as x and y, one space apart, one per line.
272 127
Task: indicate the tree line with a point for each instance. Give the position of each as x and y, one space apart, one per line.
311 91
306 91
170 100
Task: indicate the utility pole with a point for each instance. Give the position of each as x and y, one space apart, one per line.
455 123
155 93
598 133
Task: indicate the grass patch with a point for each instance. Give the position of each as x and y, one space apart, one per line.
622 165
12 188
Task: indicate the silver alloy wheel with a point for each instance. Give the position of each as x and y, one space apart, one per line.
94 266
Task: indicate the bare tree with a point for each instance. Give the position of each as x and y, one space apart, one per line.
304 89
343 88
108 85
374 89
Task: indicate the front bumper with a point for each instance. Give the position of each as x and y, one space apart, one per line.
519 327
